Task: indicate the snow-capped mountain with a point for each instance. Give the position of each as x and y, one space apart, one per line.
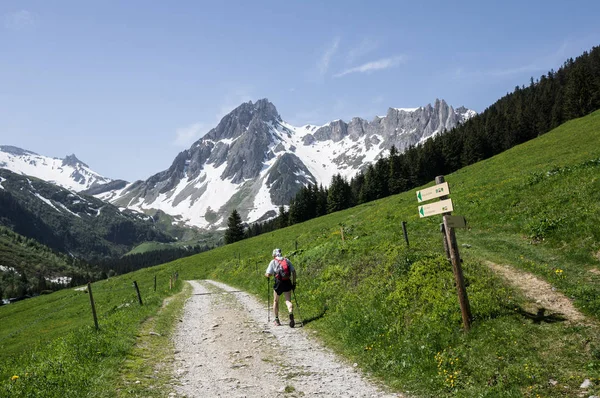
254 161
70 172
69 222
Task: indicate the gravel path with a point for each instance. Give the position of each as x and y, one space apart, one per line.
225 348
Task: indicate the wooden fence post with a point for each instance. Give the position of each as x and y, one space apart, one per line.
452 247
405 232
170 282
138 292
89 287
154 282
342 232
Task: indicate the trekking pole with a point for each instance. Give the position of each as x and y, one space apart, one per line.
298 307
268 301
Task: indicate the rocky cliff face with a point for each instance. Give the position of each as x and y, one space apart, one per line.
399 127
254 161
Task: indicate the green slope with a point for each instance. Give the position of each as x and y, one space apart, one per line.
394 310
33 263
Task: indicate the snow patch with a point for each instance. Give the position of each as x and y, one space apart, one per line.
51 170
192 211
406 109
47 201
65 207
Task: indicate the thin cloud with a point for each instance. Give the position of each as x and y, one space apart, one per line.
186 136
325 60
18 20
365 47
381 64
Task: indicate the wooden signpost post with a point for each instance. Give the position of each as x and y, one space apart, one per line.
444 207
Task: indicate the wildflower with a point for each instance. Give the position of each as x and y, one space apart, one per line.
15 377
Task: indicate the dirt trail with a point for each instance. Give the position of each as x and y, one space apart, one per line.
539 291
226 348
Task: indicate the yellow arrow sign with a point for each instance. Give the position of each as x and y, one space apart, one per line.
443 206
434 192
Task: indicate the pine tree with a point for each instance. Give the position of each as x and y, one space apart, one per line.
339 195
282 218
321 207
235 228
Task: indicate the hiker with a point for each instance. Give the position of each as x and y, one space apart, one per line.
285 282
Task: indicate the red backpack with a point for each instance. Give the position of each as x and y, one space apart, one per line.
283 270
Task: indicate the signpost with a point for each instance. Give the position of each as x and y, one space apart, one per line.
433 192
444 207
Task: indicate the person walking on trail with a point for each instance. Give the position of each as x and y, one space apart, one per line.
285 282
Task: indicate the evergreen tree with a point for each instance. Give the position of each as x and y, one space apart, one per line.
321 202
356 184
339 195
368 190
578 91
395 171
282 218
235 228
382 178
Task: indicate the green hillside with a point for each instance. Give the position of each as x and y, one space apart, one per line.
390 308
30 267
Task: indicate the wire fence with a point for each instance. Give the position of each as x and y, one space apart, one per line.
100 292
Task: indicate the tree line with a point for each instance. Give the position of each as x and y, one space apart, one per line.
527 112
134 262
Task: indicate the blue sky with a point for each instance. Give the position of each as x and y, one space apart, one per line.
127 85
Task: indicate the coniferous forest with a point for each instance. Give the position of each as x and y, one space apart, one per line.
527 112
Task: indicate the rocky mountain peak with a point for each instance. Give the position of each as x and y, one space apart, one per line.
239 120
266 110
253 161
71 160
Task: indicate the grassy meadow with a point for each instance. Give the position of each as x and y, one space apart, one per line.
389 307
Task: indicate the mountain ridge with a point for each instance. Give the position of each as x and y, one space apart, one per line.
70 172
254 161
75 224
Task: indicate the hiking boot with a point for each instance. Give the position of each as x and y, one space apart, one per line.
276 322
292 323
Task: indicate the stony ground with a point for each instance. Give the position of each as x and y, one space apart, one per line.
226 348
